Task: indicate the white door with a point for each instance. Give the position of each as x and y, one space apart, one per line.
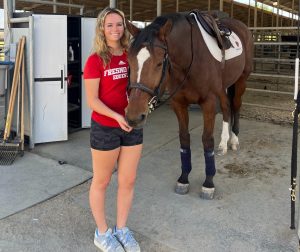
50 63
88 26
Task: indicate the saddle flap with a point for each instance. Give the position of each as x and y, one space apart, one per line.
212 25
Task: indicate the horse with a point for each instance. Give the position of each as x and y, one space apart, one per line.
171 54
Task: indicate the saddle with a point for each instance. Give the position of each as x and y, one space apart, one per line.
212 25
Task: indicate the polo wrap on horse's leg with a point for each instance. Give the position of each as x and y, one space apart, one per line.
210 168
186 164
183 185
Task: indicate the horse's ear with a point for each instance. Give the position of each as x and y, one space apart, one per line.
165 30
133 30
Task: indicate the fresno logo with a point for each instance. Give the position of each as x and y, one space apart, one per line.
117 73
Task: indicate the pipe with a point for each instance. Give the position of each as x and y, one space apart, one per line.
8 13
130 10
31 84
158 8
54 7
113 3
255 14
221 5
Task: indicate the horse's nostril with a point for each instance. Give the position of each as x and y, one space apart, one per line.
143 117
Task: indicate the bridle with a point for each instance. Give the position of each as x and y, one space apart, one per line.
154 94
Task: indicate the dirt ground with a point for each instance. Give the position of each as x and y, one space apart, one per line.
278 107
266 105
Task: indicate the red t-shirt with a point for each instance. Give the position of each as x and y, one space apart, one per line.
112 85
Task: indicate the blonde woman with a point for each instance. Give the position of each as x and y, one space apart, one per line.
111 138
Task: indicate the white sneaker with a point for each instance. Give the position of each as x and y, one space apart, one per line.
107 242
125 237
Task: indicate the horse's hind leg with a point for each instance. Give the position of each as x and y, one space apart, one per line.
225 107
235 93
182 185
208 108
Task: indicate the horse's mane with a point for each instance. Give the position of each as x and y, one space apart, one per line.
150 32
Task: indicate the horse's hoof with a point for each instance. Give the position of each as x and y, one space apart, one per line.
221 152
207 193
182 188
234 147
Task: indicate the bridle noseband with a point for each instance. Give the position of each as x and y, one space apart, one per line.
152 104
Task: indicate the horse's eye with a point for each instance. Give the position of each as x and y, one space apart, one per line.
159 64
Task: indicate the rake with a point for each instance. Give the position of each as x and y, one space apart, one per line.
10 147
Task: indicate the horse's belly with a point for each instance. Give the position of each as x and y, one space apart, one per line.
233 70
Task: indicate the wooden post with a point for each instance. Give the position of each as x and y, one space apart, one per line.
177 5
231 9
208 5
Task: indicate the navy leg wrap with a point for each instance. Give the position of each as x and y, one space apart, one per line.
186 165
210 168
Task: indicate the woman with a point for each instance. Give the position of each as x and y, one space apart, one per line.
112 139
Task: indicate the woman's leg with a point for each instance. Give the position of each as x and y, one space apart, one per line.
127 167
103 165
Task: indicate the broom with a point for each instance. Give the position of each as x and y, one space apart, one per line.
9 148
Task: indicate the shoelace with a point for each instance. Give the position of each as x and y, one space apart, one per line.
129 238
111 241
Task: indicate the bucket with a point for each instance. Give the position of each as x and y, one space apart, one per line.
3 78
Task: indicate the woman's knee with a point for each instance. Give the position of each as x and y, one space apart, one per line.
100 184
126 182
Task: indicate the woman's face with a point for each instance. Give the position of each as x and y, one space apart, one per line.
113 28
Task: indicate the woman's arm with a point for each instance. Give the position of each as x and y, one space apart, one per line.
91 88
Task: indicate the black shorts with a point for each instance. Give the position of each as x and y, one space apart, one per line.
108 138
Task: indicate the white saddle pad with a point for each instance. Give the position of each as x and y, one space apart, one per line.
213 47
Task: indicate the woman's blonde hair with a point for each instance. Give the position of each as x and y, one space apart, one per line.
100 44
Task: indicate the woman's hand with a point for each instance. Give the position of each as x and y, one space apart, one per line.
122 122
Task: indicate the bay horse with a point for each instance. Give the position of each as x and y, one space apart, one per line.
171 54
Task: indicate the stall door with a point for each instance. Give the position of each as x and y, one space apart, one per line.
50 62
87 35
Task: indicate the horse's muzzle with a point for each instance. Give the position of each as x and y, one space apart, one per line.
137 122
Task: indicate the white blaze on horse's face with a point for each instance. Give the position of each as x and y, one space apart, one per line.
142 56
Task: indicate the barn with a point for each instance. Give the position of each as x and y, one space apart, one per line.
251 210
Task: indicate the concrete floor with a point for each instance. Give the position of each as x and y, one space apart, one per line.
250 212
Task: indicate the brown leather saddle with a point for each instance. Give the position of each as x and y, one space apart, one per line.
213 26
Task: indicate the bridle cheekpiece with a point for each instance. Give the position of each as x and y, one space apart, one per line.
154 94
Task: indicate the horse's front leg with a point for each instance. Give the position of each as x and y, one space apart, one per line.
208 108
181 111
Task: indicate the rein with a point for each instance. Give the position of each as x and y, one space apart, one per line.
153 103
